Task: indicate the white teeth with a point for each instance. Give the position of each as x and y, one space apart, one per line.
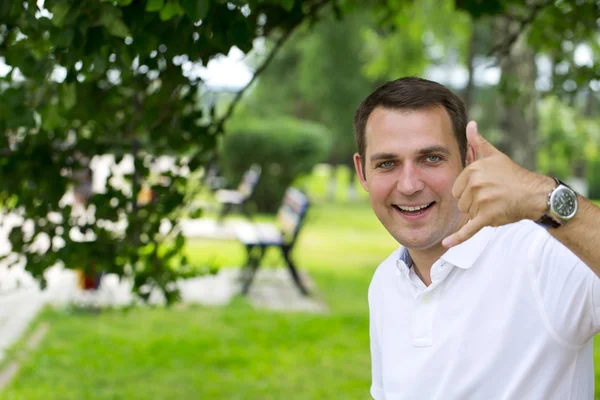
406 208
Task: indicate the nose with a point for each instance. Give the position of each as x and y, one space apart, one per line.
409 180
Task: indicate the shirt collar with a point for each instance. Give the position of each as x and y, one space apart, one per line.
462 255
405 258
465 255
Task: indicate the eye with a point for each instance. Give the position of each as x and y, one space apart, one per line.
385 164
434 158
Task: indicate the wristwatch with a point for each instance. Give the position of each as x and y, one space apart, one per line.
562 206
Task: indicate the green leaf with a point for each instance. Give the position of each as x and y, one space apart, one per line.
100 63
64 38
171 9
196 9
59 13
112 20
69 96
287 4
155 5
50 118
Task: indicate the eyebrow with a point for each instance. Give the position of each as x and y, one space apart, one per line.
421 152
434 149
382 156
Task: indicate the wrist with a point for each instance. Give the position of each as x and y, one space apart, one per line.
539 196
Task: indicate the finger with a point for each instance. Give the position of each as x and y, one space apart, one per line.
461 183
482 147
466 232
465 201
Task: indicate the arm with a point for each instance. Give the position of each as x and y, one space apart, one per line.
494 191
582 234
376 381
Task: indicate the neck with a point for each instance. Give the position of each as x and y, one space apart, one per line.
423 259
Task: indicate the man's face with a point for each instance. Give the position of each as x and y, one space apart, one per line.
411 162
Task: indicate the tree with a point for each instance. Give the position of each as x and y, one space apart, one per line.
115 78
526 32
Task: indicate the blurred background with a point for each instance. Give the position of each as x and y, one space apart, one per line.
180 214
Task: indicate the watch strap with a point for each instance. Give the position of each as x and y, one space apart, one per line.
546 220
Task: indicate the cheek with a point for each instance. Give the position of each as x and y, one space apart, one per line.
380 186
441 184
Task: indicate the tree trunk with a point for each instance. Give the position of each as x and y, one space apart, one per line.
518 99
468 91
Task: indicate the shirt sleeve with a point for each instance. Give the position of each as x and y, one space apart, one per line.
568 290
377 379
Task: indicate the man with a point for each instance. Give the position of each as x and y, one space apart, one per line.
479 301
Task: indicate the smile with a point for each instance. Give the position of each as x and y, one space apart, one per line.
414 210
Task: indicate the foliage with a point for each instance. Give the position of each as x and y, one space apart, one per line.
117 78
412 36
568 139
556 30
305 83
593 168
285 148
562 31
334 85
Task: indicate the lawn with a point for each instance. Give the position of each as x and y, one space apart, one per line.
234 352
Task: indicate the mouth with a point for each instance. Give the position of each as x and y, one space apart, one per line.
414 210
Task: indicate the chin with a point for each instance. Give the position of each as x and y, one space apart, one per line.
415 243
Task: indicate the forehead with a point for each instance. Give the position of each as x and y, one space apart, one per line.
406 129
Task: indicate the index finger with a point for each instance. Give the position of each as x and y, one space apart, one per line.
465 233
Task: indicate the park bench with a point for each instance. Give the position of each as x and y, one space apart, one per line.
238 199
257 238
213 179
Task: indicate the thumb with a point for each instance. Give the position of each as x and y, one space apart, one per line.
482 147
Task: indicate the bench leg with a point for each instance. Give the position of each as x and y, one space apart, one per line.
244 209
249 261
293 270
252 265
225 209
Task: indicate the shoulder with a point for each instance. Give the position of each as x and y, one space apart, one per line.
385 272
521 237
526 239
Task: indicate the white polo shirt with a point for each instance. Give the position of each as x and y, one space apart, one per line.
510 314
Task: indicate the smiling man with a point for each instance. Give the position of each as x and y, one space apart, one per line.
493 293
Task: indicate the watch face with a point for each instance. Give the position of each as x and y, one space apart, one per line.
564 202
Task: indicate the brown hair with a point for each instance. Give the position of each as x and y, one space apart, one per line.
412 93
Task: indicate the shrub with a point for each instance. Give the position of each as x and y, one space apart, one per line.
285 148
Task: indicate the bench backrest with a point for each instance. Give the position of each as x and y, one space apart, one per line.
249 181
291 213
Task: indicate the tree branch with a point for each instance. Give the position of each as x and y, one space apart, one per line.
502 50
221 122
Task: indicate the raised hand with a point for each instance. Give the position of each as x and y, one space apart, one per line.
494 191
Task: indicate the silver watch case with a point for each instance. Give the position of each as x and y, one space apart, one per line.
562 203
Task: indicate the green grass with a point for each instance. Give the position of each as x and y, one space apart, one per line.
234 352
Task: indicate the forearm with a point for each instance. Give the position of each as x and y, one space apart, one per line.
582 234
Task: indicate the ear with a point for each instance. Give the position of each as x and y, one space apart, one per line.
360 172
471 155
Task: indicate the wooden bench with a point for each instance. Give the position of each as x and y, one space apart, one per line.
232 199
259 237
